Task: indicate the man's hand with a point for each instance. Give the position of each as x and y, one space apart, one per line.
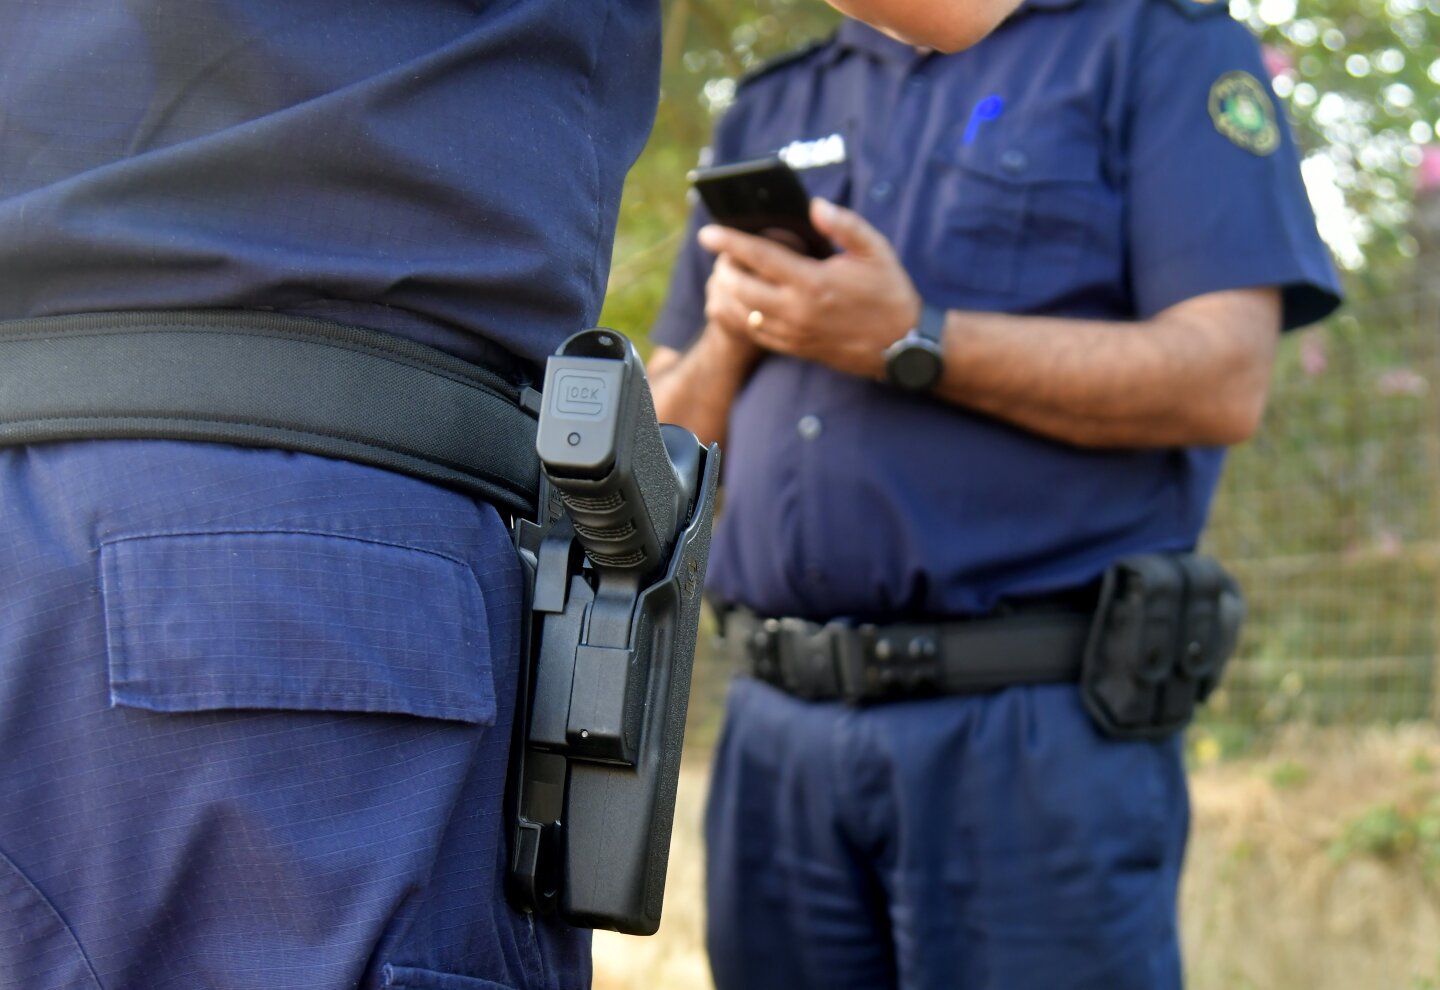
841 312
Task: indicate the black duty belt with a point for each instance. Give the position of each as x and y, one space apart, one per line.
266 380
855 663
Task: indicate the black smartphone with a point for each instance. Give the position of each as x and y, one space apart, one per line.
762 196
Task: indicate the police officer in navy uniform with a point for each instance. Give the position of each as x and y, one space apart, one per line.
255 706
1066 258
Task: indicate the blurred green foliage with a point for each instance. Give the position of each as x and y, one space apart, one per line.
1392 832
1289 775
1362 80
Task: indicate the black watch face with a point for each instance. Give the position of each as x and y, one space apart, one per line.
914 367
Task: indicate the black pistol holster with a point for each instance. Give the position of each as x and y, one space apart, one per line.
617 565
614 534
1165 626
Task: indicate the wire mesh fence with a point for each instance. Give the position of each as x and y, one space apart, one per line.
1331 520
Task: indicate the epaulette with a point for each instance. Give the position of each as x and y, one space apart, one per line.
773 65
1196 9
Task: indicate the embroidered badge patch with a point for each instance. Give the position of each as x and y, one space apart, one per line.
1243 112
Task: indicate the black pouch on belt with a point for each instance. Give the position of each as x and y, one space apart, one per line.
1165 627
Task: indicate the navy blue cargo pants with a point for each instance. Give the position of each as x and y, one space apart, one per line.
983 842
255 713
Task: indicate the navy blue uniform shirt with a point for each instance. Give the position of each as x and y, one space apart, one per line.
1074 164
449 171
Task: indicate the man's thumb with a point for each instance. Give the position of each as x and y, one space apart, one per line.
846 229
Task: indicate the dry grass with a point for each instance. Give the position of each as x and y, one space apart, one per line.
1282 891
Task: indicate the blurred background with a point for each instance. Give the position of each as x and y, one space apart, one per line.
1315 859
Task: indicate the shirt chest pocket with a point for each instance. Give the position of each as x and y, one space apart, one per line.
1015 211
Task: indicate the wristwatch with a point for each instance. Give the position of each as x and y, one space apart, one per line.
915 362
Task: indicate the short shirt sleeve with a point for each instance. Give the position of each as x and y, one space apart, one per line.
1216 200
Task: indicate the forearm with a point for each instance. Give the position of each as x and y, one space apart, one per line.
1195 375
697 388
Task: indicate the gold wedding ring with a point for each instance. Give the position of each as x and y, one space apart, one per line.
756 319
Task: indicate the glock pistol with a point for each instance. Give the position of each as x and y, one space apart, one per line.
615 563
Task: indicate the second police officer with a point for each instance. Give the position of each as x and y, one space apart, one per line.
1095 219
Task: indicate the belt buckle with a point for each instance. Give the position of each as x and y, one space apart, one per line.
807 659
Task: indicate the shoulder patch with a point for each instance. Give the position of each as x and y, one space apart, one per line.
771 66
1242 110
1196 9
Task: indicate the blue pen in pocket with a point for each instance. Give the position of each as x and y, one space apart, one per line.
986 110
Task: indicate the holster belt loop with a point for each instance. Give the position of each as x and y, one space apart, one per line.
266 380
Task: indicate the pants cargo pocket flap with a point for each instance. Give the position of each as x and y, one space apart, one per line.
294 621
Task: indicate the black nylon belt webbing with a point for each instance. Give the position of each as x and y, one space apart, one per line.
267 380
863 663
